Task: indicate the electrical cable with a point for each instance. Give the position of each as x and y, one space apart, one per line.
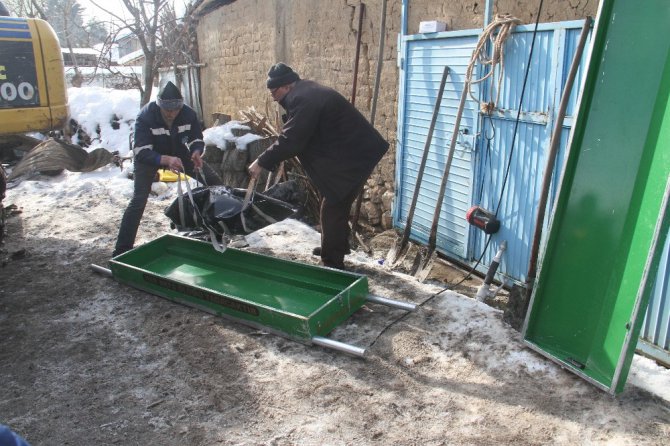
518 114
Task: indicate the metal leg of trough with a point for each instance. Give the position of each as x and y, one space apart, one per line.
407 306
340 346
101 270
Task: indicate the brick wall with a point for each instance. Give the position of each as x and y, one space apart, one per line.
238 42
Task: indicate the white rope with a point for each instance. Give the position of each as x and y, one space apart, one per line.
496 33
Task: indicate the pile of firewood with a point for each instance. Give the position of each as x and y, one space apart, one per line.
288 170
259 123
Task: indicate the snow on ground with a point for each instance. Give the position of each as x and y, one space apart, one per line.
94 108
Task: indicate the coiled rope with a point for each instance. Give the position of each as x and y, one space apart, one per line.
496 33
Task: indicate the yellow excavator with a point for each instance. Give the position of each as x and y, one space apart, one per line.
33 95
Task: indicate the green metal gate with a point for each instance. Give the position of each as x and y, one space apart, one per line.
611 215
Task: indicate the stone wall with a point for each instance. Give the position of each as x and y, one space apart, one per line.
239 41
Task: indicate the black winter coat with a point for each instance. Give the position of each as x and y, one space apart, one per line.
153 138
336 145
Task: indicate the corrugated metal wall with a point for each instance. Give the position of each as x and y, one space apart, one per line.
483 154
516 202
424 64
655 334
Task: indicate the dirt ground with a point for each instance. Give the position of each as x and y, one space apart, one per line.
85 360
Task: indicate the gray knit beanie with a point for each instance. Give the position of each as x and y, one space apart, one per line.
281 74
170 97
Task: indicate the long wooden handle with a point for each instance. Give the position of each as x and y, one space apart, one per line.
250 190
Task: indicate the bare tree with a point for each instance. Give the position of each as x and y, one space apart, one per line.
21 8
146 21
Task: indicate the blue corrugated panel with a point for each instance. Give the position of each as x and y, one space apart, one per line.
478 179
517 209
655 333
425 63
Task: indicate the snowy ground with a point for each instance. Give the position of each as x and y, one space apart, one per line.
85 360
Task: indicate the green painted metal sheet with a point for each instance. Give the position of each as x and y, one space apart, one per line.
611 215
293 299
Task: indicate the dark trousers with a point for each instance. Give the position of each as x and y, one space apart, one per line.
143 178
335 229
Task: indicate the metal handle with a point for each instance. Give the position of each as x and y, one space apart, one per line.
407 306
101 270
340 346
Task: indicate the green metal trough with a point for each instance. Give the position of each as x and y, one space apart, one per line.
299 301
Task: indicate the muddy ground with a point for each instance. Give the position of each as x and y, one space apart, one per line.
85 360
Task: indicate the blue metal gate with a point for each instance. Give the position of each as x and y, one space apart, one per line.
421 73
655 333
483 152
484 148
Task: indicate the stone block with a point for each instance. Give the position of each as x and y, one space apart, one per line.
255 148
387 220
235 160
387 200
240 131
372 213
235 179
213 155
221 118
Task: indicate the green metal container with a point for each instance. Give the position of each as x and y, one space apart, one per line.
288 298
611 214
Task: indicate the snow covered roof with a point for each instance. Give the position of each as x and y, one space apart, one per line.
135 57
91 51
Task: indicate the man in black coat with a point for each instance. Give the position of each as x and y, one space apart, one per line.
167 134
336 145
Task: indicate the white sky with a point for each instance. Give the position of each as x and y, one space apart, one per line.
95 106
117 7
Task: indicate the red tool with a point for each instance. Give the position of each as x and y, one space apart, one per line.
483 219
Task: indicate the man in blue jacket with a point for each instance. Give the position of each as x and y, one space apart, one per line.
167 134
336 145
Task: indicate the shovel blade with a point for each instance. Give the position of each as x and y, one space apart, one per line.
396 253
423 264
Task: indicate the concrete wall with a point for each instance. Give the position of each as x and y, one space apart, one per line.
238 42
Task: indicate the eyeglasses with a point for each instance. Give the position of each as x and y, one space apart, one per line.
273 90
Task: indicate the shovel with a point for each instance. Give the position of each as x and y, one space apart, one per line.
399 249
424 260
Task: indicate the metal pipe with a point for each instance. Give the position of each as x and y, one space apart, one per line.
373 112
339 346
484 290
488 13
553 149
407 306
361 10
101 270
380 60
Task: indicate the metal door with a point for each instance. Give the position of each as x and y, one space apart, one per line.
422 65
484 148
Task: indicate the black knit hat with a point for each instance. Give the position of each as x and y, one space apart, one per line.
170 97
281 74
